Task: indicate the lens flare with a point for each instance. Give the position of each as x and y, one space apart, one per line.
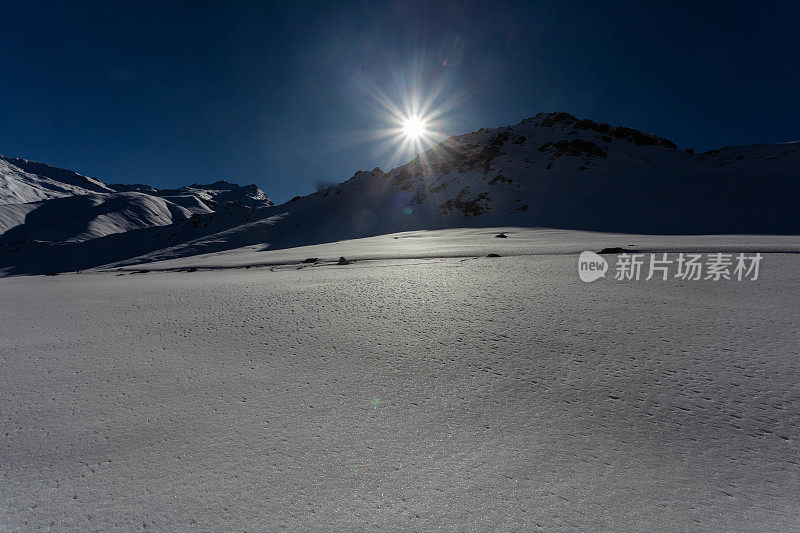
410 103
414 128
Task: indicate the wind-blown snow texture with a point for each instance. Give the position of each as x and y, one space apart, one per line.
552 170
418 394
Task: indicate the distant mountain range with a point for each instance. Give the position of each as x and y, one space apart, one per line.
551 170
44 204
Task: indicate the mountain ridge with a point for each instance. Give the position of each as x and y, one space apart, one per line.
551 170
39 202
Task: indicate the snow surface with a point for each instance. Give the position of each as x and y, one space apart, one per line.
464 242
453 393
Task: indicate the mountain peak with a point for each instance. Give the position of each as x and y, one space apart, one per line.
566 121
219 184
24 181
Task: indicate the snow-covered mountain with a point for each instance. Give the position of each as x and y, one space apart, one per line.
551 170
23 181
554 170
218 194
43 203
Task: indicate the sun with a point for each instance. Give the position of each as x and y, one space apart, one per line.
414 127
410 130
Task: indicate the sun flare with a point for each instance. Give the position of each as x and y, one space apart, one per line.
413 127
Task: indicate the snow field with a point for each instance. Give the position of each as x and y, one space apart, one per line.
454 393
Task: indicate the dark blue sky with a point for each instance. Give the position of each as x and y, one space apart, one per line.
287 95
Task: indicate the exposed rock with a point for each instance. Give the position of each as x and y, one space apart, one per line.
606 251
469 205
638 137
493 255
620 132
574 147
500 178
311 260
343 261
492 149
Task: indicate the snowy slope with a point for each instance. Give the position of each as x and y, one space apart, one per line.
46 204
486 394
13 215
549 171
466 243
557 171
23 181
552 170
88 216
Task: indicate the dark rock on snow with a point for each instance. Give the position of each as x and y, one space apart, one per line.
610 251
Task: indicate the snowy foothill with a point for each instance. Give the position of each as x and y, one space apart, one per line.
466 242
407 390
